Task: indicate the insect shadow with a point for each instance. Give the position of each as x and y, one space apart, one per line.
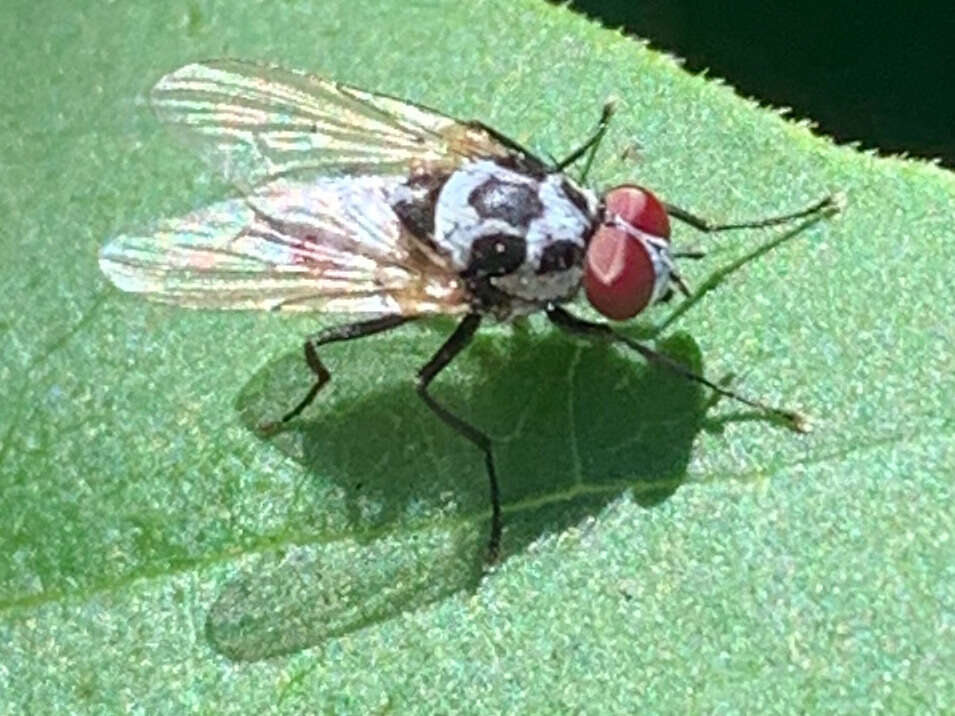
575 426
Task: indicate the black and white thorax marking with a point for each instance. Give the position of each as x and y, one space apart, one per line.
517 238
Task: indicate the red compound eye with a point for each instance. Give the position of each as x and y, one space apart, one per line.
619 275
639 208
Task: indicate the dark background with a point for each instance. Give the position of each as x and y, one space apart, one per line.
880 74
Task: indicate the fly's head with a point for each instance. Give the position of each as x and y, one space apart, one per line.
628 264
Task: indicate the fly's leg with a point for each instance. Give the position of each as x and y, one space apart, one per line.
829 203
604 333
591 145
334 334
457 342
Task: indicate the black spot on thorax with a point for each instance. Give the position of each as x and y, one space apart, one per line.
560 256
416 205
495 255
516 204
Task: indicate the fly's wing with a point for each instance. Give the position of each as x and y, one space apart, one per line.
317 162
333 245
257 123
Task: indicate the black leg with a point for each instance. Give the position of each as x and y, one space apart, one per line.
332 335
457 342
591 144
830 202
602 332
688 254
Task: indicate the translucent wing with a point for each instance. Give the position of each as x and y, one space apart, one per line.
333 245
257 123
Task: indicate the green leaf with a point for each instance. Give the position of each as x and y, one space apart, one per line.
661 551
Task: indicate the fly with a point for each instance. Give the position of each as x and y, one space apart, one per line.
363 204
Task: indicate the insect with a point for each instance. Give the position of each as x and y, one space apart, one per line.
362 204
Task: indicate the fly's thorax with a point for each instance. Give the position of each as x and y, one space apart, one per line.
525 234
